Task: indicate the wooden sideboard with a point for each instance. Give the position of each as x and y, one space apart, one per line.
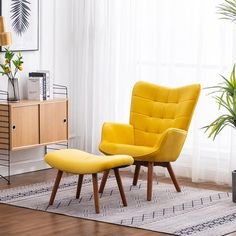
29 124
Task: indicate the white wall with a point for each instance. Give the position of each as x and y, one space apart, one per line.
55 55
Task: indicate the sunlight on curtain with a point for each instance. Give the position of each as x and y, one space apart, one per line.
167 42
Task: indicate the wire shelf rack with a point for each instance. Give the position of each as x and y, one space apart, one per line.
59 91
5 155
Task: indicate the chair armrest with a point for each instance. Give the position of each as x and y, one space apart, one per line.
117 133
171 144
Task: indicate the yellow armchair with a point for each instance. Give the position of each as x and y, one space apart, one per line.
159 121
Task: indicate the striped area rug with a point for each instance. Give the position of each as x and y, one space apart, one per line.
194 211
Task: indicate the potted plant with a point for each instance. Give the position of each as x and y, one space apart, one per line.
226 91
10 68
225 97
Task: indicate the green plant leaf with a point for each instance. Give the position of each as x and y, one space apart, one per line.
227 10
8 68
225 97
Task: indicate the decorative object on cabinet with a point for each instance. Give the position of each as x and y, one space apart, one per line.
5 37
10 71
22 18
29 124
40 85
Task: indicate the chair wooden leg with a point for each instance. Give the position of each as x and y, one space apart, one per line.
136 174
119 183
149 180
173 178
104 180
79 186
55 187
95 192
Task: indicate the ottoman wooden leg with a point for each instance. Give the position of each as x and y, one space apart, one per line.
104 180
136 174
79 186
118 179
55 187
95 192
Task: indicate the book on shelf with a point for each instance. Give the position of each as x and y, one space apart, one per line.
39 87
49 83
35 88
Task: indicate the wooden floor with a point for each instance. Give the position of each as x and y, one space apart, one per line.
20 221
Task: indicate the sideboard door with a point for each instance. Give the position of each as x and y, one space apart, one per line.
53 122
24 126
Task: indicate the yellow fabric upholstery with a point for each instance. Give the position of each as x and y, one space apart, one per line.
79 162
118 133
159 121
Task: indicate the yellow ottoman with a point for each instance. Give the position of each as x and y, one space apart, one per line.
78 162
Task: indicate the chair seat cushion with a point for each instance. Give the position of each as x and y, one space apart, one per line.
137 152
80 162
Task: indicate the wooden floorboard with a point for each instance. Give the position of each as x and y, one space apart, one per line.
21 221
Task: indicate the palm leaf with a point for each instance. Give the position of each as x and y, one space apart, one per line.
20 14
228 10
218 125
225 97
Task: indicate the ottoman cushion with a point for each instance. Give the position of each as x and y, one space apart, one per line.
80 162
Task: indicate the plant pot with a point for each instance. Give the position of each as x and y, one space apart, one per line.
234 186
13 90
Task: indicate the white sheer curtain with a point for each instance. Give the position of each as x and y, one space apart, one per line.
172 43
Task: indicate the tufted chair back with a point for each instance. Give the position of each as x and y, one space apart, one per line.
155 108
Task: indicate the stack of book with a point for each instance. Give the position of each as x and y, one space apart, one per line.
40 86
